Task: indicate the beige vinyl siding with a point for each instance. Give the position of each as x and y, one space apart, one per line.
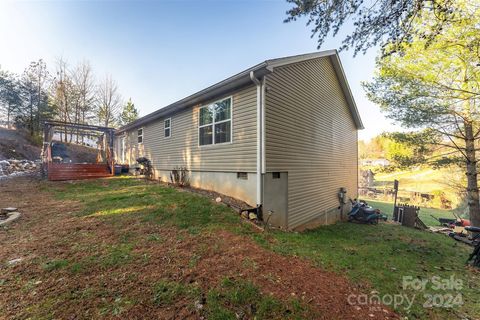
182 149
311 134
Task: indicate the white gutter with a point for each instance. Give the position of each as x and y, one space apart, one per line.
259 136
263 126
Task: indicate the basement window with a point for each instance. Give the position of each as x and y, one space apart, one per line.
167 124
215 123
140 135
242 175
275 175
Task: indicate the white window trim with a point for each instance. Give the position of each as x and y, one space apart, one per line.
143 135
213 123
170 127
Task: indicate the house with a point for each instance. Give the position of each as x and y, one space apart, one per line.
281 136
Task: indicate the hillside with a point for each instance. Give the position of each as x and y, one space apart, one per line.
446 181
14 144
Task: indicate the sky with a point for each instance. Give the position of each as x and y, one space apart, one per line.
162 51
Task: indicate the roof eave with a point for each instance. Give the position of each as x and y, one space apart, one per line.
337 65
237 81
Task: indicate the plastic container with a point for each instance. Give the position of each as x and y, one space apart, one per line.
118 169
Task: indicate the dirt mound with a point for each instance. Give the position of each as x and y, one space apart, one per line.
73 153
15 144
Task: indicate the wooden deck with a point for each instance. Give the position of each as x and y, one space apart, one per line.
77 171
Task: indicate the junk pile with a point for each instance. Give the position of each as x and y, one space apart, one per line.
456 228
14 167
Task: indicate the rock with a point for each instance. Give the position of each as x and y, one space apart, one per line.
14 261
218 199
252 216
17 167
198 305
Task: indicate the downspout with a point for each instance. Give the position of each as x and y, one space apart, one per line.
259 85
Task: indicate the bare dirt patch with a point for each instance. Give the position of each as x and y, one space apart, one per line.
14 144
83 267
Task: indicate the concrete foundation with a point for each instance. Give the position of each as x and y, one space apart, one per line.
225 183
275 198
327 217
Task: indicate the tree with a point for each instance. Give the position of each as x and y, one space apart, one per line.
63 94
374 22
33 87
10 96
129 113
109 102
83 87
436 87
406 149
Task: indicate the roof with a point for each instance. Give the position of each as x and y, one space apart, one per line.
243 78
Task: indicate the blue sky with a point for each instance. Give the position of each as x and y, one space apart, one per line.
162 51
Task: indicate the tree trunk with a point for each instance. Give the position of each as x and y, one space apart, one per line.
472 183
31 115
8 115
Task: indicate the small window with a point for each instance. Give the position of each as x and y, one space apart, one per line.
275 175
242 175
167 124
215 123
140 135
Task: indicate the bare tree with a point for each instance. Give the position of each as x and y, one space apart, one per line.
84 93
109 102
62 88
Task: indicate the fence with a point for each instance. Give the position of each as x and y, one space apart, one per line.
417 198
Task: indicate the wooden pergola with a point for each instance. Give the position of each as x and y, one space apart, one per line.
75 171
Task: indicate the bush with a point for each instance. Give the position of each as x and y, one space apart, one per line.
179 177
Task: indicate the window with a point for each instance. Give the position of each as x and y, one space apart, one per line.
167 125
275 175
215 123
140 135
242 175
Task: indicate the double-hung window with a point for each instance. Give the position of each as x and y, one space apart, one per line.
215 123
167 127
140 135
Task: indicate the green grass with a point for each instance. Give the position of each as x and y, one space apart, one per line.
118 254
382 255
425 214
424 180
376 256
55 264
152 202
420 180
165 292
239 297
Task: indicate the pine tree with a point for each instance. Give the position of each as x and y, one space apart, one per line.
129 113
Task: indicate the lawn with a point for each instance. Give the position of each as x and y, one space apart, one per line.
419 180
427 215
378 255
122 229
383 255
